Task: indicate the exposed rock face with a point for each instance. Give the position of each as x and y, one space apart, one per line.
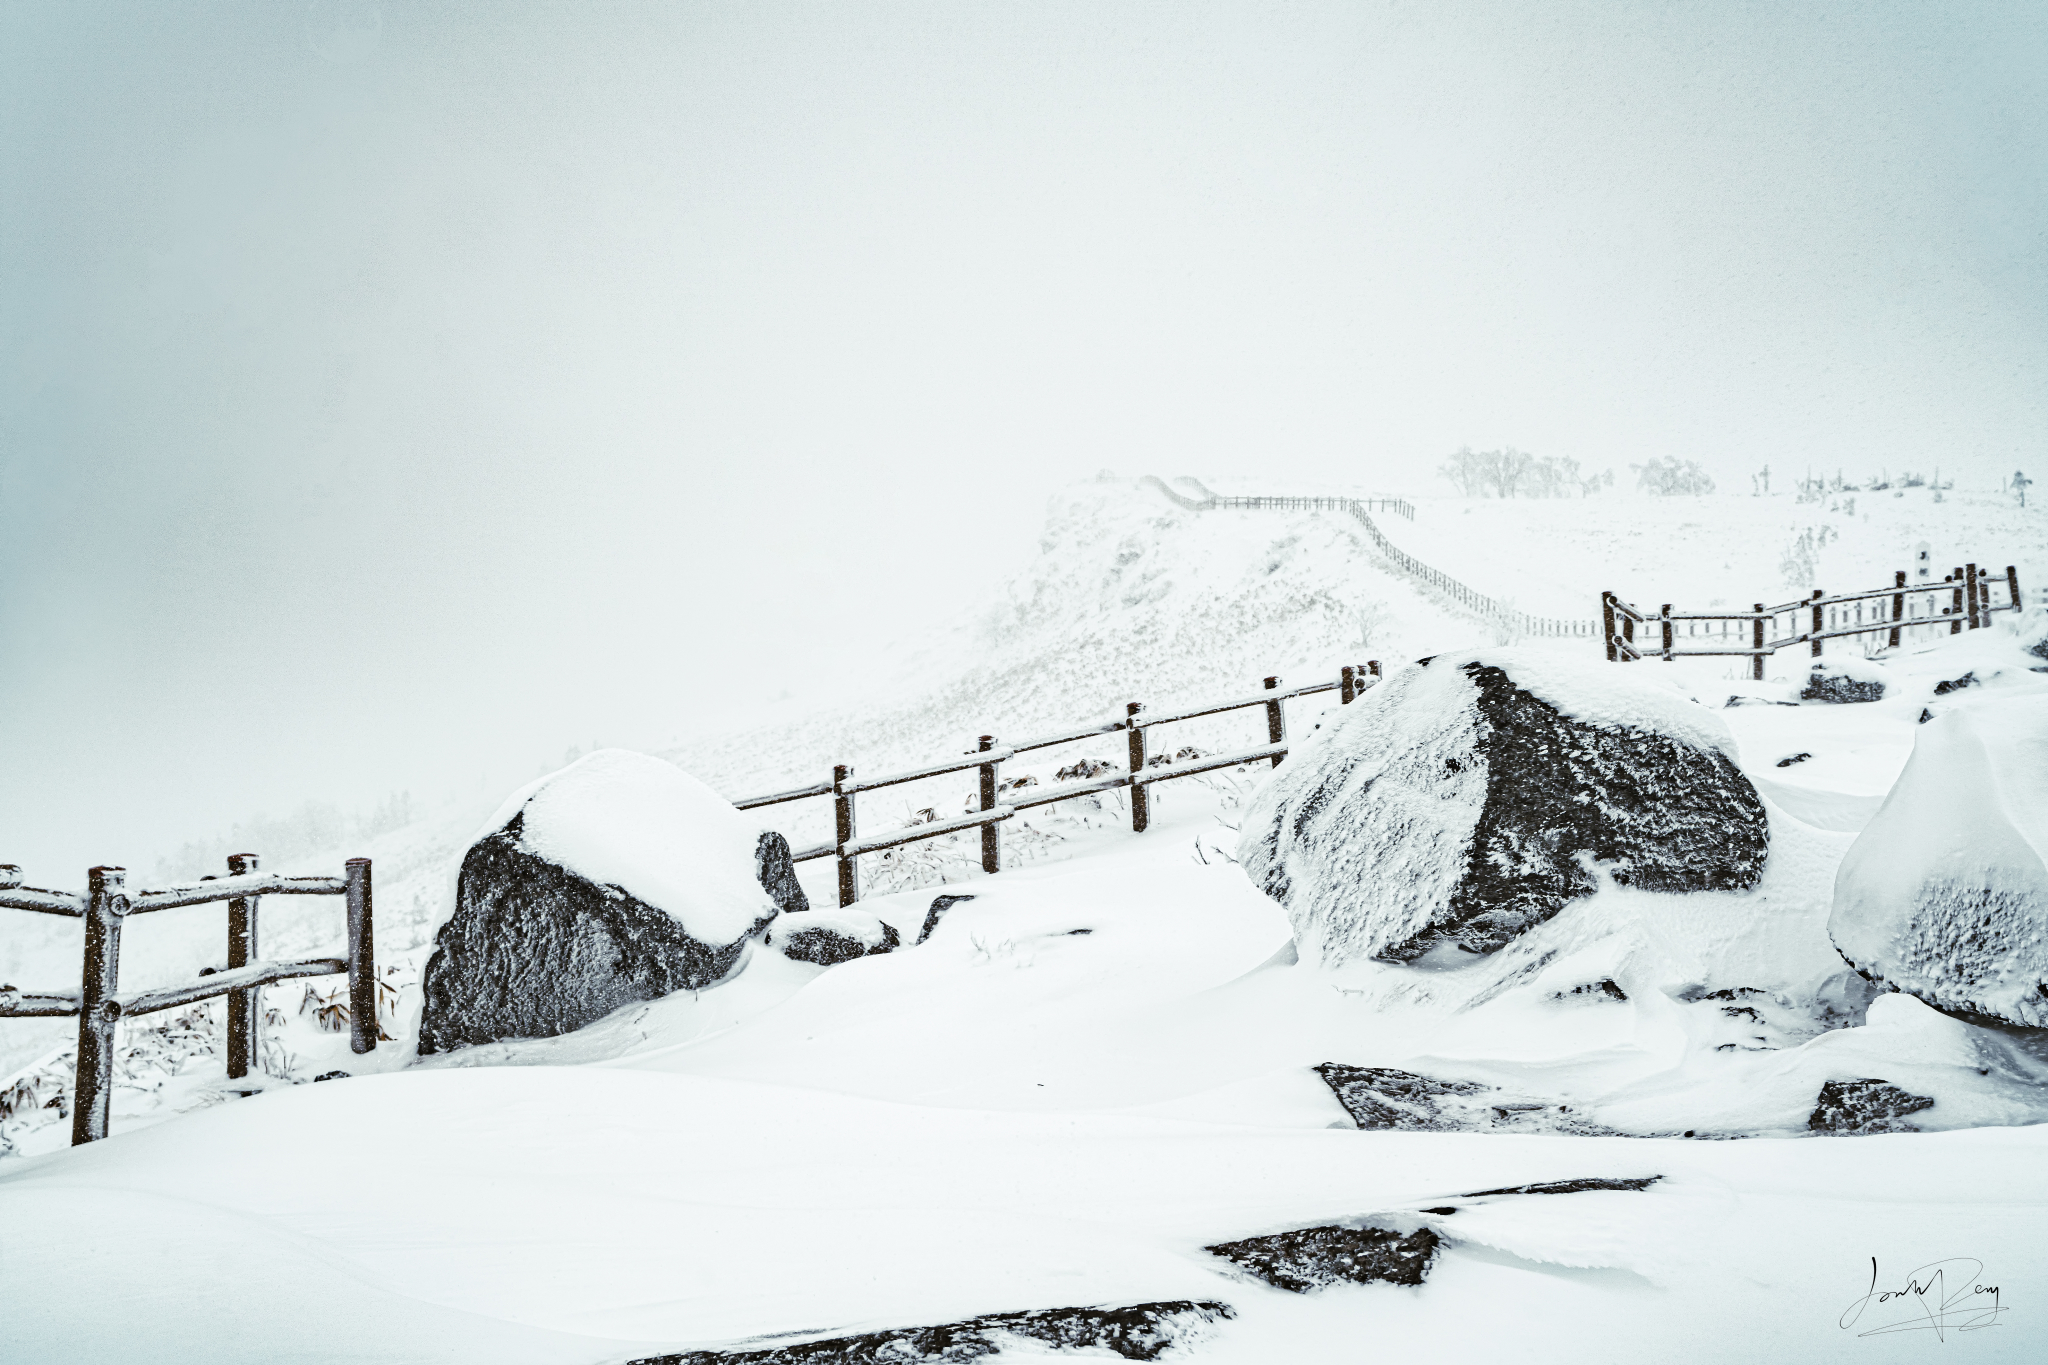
1386 1097
1309 1258
616 880
830 937
1140 1332
1866 1106
1945 893
1462 800
1843 680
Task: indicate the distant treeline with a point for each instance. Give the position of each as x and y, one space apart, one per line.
1512 473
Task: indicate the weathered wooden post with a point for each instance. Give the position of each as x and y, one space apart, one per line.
1971 590
1372 666
2012 587
98 1010
1756 642
1819 623
1141 795
1955 611
991 835
1347 684
842 815
1666 616
1276 720
362 960
1898 605
245 1011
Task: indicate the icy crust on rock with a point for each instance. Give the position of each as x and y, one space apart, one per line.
1452 805
1945 893
618 818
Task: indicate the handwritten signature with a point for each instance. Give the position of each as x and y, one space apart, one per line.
1940 1297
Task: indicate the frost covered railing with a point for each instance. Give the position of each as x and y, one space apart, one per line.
1361 509
847 847
1963 599
105 905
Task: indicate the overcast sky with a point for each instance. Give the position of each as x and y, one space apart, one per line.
392 396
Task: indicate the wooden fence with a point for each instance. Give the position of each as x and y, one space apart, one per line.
1962 600
1361 509
987 760
105 905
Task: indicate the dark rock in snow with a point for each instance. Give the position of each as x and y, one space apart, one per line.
1309 1258
940 905
1942 689
1635 1183
615 880
830 937
1603 989
1944 895
775 869
1462 801
1793 758
1385 1097
1864 1107
1843 680
1142 1331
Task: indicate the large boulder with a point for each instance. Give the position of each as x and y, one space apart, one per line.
618 879
1468 798
1945 893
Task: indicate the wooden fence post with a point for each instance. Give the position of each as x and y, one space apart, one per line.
1141 797
991 835
842 815
245 1011
1818 613
1971 589
2012 587
1666 614
1898 605
362 960
98 1010
1347 684
1372 666
1955 625
1276 720
1756 660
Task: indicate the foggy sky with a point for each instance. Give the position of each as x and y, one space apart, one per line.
392 396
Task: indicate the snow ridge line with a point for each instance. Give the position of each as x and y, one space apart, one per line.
1476 602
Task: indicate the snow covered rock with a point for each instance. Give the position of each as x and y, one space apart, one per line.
1309 1258
1142 1331
940 905
1386 1097
1467 798
1844 680
618 879
1863 1107
1945 893
830 937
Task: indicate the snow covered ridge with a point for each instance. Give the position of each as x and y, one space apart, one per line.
1470 796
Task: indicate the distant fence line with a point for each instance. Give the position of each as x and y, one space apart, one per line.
1969 592
105 904
995 807
1361 508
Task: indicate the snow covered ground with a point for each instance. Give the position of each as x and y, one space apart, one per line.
1101 1064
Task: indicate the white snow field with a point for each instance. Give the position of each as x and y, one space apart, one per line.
1100 1065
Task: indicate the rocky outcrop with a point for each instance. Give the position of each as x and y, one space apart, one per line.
1468 798
830 937
1944 895
1141 1331
1844 680
1865 1106
1309 1258
616 880
1386 1097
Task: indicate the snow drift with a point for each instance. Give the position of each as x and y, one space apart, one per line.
1945 894
1469 797
618 879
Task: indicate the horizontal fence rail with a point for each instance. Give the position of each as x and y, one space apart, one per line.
1361 509
106 904
1964 600
1144 772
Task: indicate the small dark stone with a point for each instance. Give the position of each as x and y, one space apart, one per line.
1795 758
1863 1107
827 946
331 1076
1827 685
1309 1258
1925 715
1603 989
1139 1332
940 905
776 871
1942 689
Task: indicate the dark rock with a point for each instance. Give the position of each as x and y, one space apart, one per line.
1575 1186
1834 682
1602 989
1140 1332
1863 1107
331 1076
830 937
1455 807
940 905
536 947
1309 1258
1384 1097
1942 689
1795 758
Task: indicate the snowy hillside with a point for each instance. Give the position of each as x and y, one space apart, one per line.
1104 1063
